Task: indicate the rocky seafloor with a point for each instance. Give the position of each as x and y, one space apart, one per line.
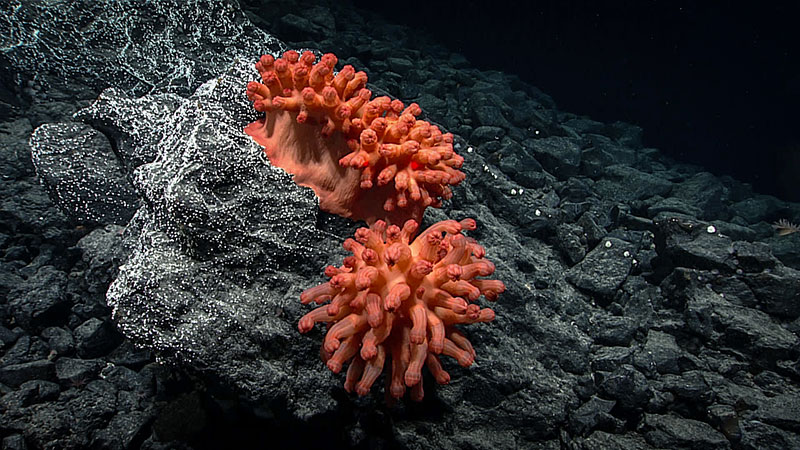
152 259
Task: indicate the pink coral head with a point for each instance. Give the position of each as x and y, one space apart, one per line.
402 298
314 128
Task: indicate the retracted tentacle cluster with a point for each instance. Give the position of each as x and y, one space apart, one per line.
399 299
403 164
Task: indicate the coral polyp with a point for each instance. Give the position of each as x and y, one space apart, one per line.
365 159
400 300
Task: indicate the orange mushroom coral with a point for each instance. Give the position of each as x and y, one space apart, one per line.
365 159
398 299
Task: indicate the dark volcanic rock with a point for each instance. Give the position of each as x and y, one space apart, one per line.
605 268
16 374
41 300
83 176
675 432
96 337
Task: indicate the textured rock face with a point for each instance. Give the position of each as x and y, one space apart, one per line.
218 248
221 238
77 165
75 49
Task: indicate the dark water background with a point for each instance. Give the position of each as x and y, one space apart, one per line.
712 83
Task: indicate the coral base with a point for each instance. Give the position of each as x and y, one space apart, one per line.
313 160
